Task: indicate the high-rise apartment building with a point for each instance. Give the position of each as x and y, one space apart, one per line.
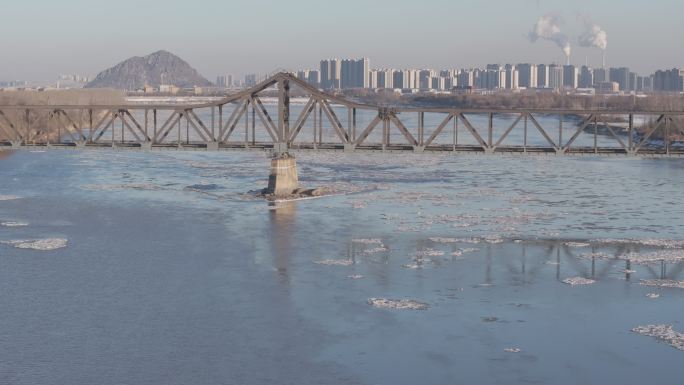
555 76
527 75
355 73
620 76
570 76
542 76
385 78
586 77
511 77
669 80
331 70
600 75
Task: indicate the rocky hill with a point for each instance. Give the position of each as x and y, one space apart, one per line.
137 72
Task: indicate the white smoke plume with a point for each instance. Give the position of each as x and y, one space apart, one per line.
547 28
593 36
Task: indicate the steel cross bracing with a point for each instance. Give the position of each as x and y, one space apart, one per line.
243 121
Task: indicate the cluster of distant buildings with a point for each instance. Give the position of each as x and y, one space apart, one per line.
63 81
338 74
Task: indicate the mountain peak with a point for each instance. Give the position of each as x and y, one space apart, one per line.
136 72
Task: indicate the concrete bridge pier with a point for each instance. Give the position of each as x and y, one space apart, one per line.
283 180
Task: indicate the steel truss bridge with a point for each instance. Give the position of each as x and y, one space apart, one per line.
243 121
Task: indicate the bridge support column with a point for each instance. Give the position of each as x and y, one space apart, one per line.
16 143
418 149
280 149
349 147
212 146
283 180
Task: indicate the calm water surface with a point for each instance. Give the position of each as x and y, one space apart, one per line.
173 276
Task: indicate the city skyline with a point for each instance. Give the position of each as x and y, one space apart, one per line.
294 37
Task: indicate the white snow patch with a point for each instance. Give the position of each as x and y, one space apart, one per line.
653 295
663 333
398 304
573 281
512 350
9 197
355 276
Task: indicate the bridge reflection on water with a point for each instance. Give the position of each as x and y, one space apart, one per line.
504 261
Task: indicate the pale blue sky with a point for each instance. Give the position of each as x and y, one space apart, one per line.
40 39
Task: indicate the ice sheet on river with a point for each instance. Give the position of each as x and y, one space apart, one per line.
574 281
335 262
9 197
667 255
671 283
663 333
397 304
13 224
46 244
121 186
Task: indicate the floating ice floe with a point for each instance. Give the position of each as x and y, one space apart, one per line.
40 244
664 243
367 241
413 266
398 304
655 256
663 283
375 250
9 197
493 239
664 333
355 276
335 262
429 253
577 244
13 224
573 281
653 295
444 240
512 350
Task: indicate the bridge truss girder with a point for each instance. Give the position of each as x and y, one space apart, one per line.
220 124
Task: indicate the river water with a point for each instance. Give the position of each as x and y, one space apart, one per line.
171 274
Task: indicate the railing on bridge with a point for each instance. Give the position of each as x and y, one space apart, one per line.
322 121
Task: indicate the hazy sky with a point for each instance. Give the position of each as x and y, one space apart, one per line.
41 39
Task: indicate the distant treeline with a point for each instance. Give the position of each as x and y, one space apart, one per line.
660 103
38 122
61 97
524 100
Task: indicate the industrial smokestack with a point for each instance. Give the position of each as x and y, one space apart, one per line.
547 28
603 59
